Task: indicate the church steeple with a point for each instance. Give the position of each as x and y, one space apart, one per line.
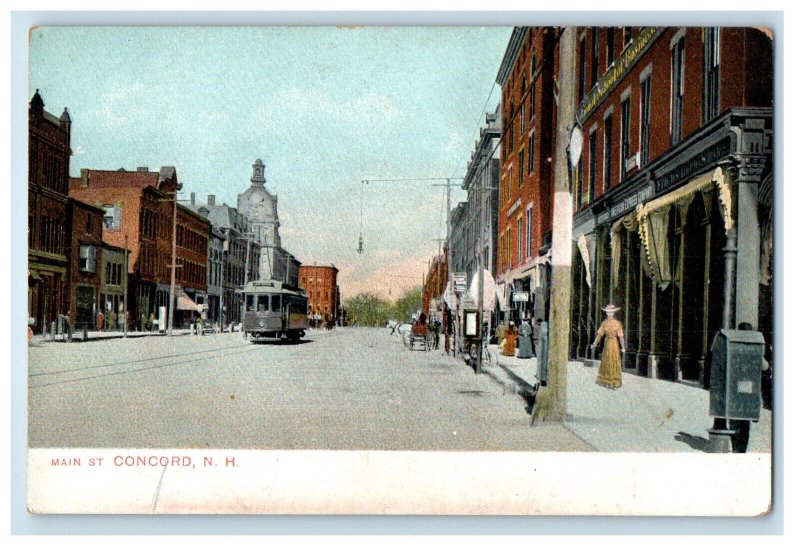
258 174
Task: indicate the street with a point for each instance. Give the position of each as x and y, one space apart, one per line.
352 388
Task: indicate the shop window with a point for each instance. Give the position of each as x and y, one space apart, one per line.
521 168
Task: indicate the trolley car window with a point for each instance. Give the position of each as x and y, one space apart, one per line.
263 303
251 302
276 303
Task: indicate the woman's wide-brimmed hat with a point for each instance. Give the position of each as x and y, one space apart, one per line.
611 308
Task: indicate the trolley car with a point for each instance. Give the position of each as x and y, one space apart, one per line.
274 310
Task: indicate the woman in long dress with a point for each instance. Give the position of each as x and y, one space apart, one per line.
610 374
525 341
511 340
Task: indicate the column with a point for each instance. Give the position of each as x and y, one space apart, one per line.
748 244
681 358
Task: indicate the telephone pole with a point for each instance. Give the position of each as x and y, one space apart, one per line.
174 265
552 402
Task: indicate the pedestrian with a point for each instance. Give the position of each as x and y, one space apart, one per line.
437 328
525 340
112 320
151 322
100 320
537 334
500 332
143 322
510 340
610 373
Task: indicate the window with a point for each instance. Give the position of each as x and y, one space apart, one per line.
531 152
511 129
625 137
595 55
592 165
521 168
678 53
250 302
582 69
87 258
528 231
610 47
112 219
88 223
522 106
710 73
276 303
263 303
578 185
519 240
607 155
645 124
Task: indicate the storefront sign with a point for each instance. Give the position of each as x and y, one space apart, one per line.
627 204
622 65
521 296
698 163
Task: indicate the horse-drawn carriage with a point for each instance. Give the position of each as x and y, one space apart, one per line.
419 336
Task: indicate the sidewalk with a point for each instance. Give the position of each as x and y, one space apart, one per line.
647 415
77 337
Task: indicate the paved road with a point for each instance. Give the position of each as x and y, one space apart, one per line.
344 389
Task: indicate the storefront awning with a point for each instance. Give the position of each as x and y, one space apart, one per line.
185 303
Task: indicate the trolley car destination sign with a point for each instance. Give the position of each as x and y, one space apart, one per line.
613 75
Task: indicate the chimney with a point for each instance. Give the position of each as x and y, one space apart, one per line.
84 178
142 170
191 198
212 200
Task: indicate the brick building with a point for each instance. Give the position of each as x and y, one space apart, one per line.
112 282
524 220
236 261
434 287
319 282
674 183
48 236
85 228
139 209
192 235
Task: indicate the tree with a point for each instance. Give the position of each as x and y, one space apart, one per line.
409 303
367 309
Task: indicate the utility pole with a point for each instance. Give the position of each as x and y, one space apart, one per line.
448 185
174 259
552 403
125 293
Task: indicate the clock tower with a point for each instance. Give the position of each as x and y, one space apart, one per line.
261 208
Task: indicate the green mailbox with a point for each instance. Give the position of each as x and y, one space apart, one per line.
736 360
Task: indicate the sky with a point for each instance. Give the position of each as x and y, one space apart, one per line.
323 107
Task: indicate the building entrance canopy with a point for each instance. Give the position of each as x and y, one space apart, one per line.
185 303
651 221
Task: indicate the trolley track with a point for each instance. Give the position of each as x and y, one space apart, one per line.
74 375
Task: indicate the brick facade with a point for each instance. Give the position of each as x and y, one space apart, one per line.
319 282
48 217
